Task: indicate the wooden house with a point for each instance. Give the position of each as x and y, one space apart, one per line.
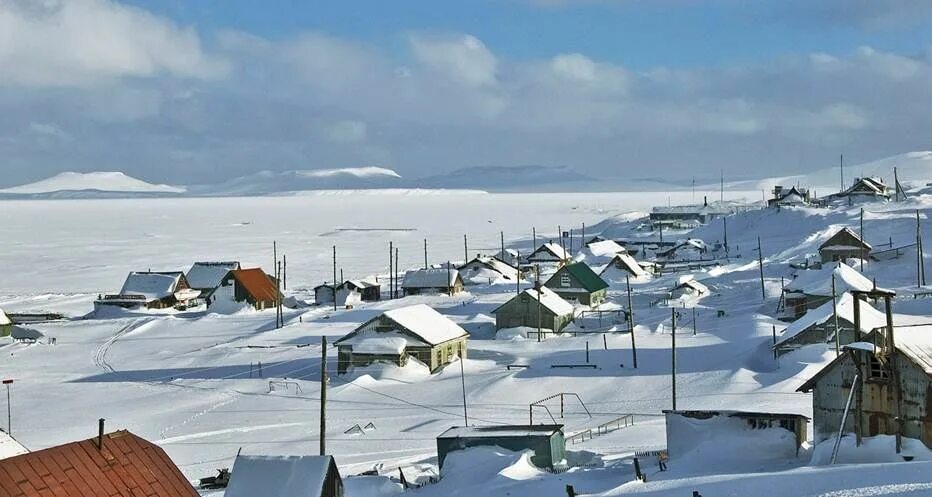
522 311
891 377
9 446
689 249
813 287
818 325
118 464
6 324
486 270
865 190
845 244
620 266
601 252
432 281
152 290
546 441
207 276
689 287
415 331
788 197
684 427
577 282
324 293
368 291
509 256
252 286
549 253
284 476
687 216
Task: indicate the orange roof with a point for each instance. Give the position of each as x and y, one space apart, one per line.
256 283
128 466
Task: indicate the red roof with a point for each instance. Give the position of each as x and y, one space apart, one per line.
127 466
256 283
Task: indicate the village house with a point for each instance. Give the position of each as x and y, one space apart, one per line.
324 293
690 249
891 376
367 291
818 325
684 427
152 290
486 270
577 282
620 266
687 216
432 281
522 311
118 464
845 244
284 476
207 276
9 446
509 256
813 287
549 253
787 197
6 324
687 286
416 331
600 252
251 286
865 190
546 441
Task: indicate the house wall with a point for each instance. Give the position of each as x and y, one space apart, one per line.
548 450
519 312
830 254
820 333
433 357
556 281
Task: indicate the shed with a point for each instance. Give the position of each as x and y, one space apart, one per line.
785 197
620 266
522 310
818 325
549 253
118 464
813 287
9 446
577 282
689 249
415 331
152 290
252 286
843 245
546 441
369 291
432 280
284 476
486 270
6 324
207 276
685 427
324 293
688 286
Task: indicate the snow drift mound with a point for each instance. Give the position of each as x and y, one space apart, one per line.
112 181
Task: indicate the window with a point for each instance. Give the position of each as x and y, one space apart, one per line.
876 370
565 280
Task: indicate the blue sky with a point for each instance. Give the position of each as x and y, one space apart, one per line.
202 91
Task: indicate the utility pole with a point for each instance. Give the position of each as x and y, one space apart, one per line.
920 262
274 255
391 272
466 250
634 349
673 355
896 185
774 330
835 317
661 232
9 406
721 195
279 318
694 321
862 240
725 233
425 254
463 380
323 395
562 245
582 237
502 237
537 286
284 272
397 286
334 277
760 262
534 235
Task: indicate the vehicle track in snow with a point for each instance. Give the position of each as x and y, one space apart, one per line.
100 355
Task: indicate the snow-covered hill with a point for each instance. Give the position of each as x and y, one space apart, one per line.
272 182
101 183
494 178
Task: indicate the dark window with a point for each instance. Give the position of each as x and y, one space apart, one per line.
876 370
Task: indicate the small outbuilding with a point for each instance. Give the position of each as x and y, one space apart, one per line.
845 244
546 441
787 197
152 290
368 291
818 325
252 286
509 256
865 189
549 253
284 476
600 252
813 287
486 270
685 427
432 281
207 276
522 311
689 287
416 331
577 282
620 266
324 293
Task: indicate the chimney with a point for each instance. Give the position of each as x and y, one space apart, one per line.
100 434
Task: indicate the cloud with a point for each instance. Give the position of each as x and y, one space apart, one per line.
462 58
60 43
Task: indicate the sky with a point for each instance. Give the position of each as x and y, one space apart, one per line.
196 91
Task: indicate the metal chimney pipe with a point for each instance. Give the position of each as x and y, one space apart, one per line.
100 434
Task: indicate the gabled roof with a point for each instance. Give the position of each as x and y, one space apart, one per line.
552 249
4 319
605 248
431 278
818 282
9 447
493 264
360 284
209 275
690 282
420 321
151 285
279 476
584 274
256 283
845 237
548 299
871 318
126 466
871 185
626 261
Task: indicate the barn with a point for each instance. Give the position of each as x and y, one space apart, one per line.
577 282
432 281
845 244
522 310
416 331
818 325
284 476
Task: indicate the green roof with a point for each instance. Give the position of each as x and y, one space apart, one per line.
586 276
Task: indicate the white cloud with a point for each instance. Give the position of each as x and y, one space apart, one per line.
462 58
82 42
347 131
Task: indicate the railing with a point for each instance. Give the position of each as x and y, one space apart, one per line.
616 424
561 395
580 437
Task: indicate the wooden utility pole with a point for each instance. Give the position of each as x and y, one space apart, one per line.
694 321
502 238
760 262
466 250
841 164
661 232
463 380
725 233
334 277
391 272
323 395
397 286
284 272
896 186
534 235
774 329
425 254
537 285
634 349
562 244
274 255
279 318
582 237
920 262
835 317
862 239
673 355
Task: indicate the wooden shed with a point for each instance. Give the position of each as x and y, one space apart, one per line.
813 287
416 331
207 276
577 282
549 253
787 197
689 287
152 290
546 441
845 244
284 476
522 310
818 325
620 266
432 281
252 286
369 291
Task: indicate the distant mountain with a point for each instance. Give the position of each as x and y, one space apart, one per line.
273 182
505 178
95 184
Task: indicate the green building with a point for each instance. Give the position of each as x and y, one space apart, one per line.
577 282
546 441
522 310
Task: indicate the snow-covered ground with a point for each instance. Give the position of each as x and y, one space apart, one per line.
205 385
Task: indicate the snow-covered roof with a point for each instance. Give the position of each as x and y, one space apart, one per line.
819 281
9 447
419 320
278 476
152 286
916 343
430 278
605 248
555 251
492 264
204 275
871 318
4 319
689 281
361 283
20 333
550 300
840 238
387 342
626 261
498 431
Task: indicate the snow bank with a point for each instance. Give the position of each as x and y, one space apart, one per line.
371 486
878 449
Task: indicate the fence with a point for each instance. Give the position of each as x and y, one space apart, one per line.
580 437
616 424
